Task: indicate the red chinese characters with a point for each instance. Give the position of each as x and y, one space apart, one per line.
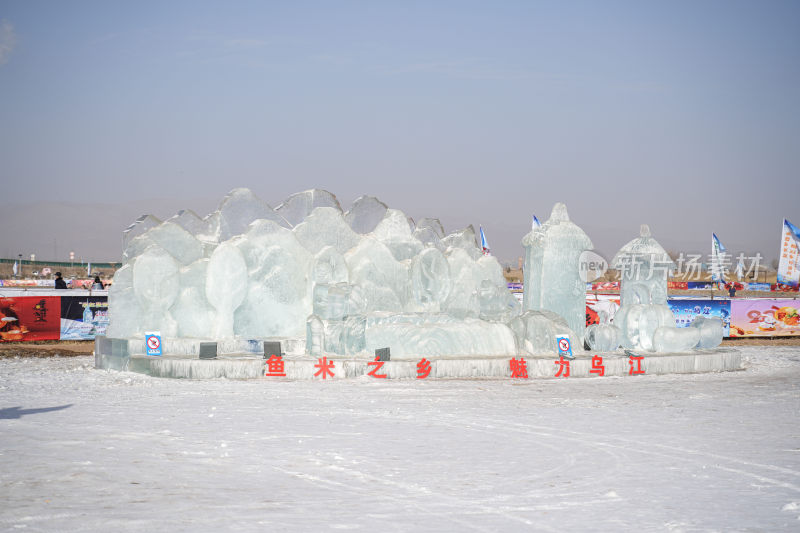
423 369
563 368
325 368
377 364
275 367
597 366
638 369
519 368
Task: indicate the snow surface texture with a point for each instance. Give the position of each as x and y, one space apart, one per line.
346 283
91 450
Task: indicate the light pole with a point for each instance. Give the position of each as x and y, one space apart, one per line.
71 260
19 272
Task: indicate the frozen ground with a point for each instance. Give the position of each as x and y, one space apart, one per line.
91 450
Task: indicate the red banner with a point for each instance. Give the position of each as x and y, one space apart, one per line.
30 318
605 286
779 287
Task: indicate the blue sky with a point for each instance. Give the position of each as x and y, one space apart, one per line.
683 115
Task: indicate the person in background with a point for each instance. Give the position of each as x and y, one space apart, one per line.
60 283
732 290
97 285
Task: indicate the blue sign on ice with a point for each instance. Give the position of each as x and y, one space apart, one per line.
564 347
152 341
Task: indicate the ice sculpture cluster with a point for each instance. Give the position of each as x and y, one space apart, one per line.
351 282
644 321
348 282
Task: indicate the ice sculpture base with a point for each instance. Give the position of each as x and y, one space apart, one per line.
128 355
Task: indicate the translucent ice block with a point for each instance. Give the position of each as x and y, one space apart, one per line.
226 286
465 240
430 280
711 331
325 226
603 337
194 314
552 276
365 214
672 339
156 285
299 205
240 208
536 332
139 227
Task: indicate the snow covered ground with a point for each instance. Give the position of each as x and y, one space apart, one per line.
93 450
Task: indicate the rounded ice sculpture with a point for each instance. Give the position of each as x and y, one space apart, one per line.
711 331
672 339
602 337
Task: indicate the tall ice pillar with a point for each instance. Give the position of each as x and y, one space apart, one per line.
552 275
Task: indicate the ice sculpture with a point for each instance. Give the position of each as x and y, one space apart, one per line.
347 282
536 331
140 226
195 315
644 318
123 309
325 226
188 220
155 286
298 206
429 232
603 337
365 214
226 286
552 277
711 331
241 207
181 244
430 280
396 232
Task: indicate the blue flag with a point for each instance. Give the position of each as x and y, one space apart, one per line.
717 259
484 243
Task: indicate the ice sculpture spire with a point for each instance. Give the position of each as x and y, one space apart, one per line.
552 278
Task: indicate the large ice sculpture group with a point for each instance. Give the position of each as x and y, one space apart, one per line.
351 282
347 282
